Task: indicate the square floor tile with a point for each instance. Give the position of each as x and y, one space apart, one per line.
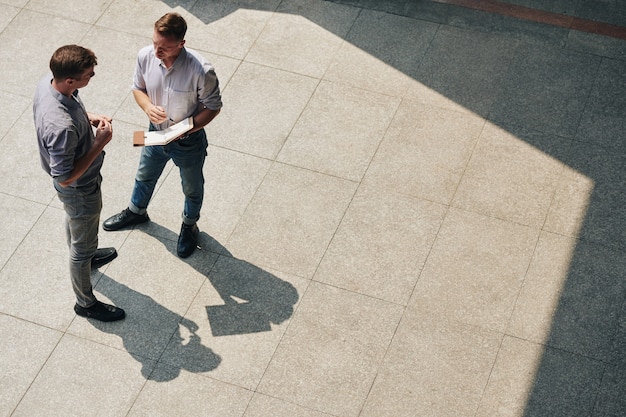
83 375
329 364
512 175
189 395
24 349
531 379
475 270
303 36
263 105
381 245
424 152
434 367
291 220
336 133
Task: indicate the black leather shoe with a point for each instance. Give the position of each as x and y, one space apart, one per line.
102 257
100 311
124 219
187 240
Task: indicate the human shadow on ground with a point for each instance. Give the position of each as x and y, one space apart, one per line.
253 300
150 328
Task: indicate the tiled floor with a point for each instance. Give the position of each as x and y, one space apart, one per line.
413 208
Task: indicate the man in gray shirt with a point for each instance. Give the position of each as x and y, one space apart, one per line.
172 83
72 155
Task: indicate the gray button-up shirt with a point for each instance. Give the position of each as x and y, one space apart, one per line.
190 81
64 133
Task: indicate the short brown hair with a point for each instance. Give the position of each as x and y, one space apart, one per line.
171 25
71 61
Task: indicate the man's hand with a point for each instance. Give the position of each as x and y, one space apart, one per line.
95 119
104 133
157 114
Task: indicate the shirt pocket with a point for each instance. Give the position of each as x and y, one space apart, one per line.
182 104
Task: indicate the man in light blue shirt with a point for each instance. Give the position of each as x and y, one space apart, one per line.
172 83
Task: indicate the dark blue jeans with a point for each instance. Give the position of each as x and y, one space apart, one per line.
188 155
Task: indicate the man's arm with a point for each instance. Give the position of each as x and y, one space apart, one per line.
104 133
203 118
155 113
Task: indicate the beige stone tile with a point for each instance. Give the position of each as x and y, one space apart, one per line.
23 215
117 56
24 348
262 405
188 395
571 297
240 314
82 11
531 379
20 169
434 367
154 287
336 134
8 12
424 152
291 220
12 106
229 27
263 106
381 245
23 44
475 270
330 354
138 16
512 175
303 36
511 381
570 203
83 375
37 269
373 59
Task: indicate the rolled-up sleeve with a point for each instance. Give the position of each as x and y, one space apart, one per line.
209 90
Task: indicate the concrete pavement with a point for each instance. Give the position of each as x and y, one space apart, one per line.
412 208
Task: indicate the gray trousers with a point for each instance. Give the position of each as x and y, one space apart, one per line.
82 208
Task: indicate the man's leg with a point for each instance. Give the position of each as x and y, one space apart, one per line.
151 164
189 156
82 208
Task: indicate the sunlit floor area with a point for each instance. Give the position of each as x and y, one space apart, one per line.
412 208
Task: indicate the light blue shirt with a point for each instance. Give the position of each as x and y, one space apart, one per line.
190 81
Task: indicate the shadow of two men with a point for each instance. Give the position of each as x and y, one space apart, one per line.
253 300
